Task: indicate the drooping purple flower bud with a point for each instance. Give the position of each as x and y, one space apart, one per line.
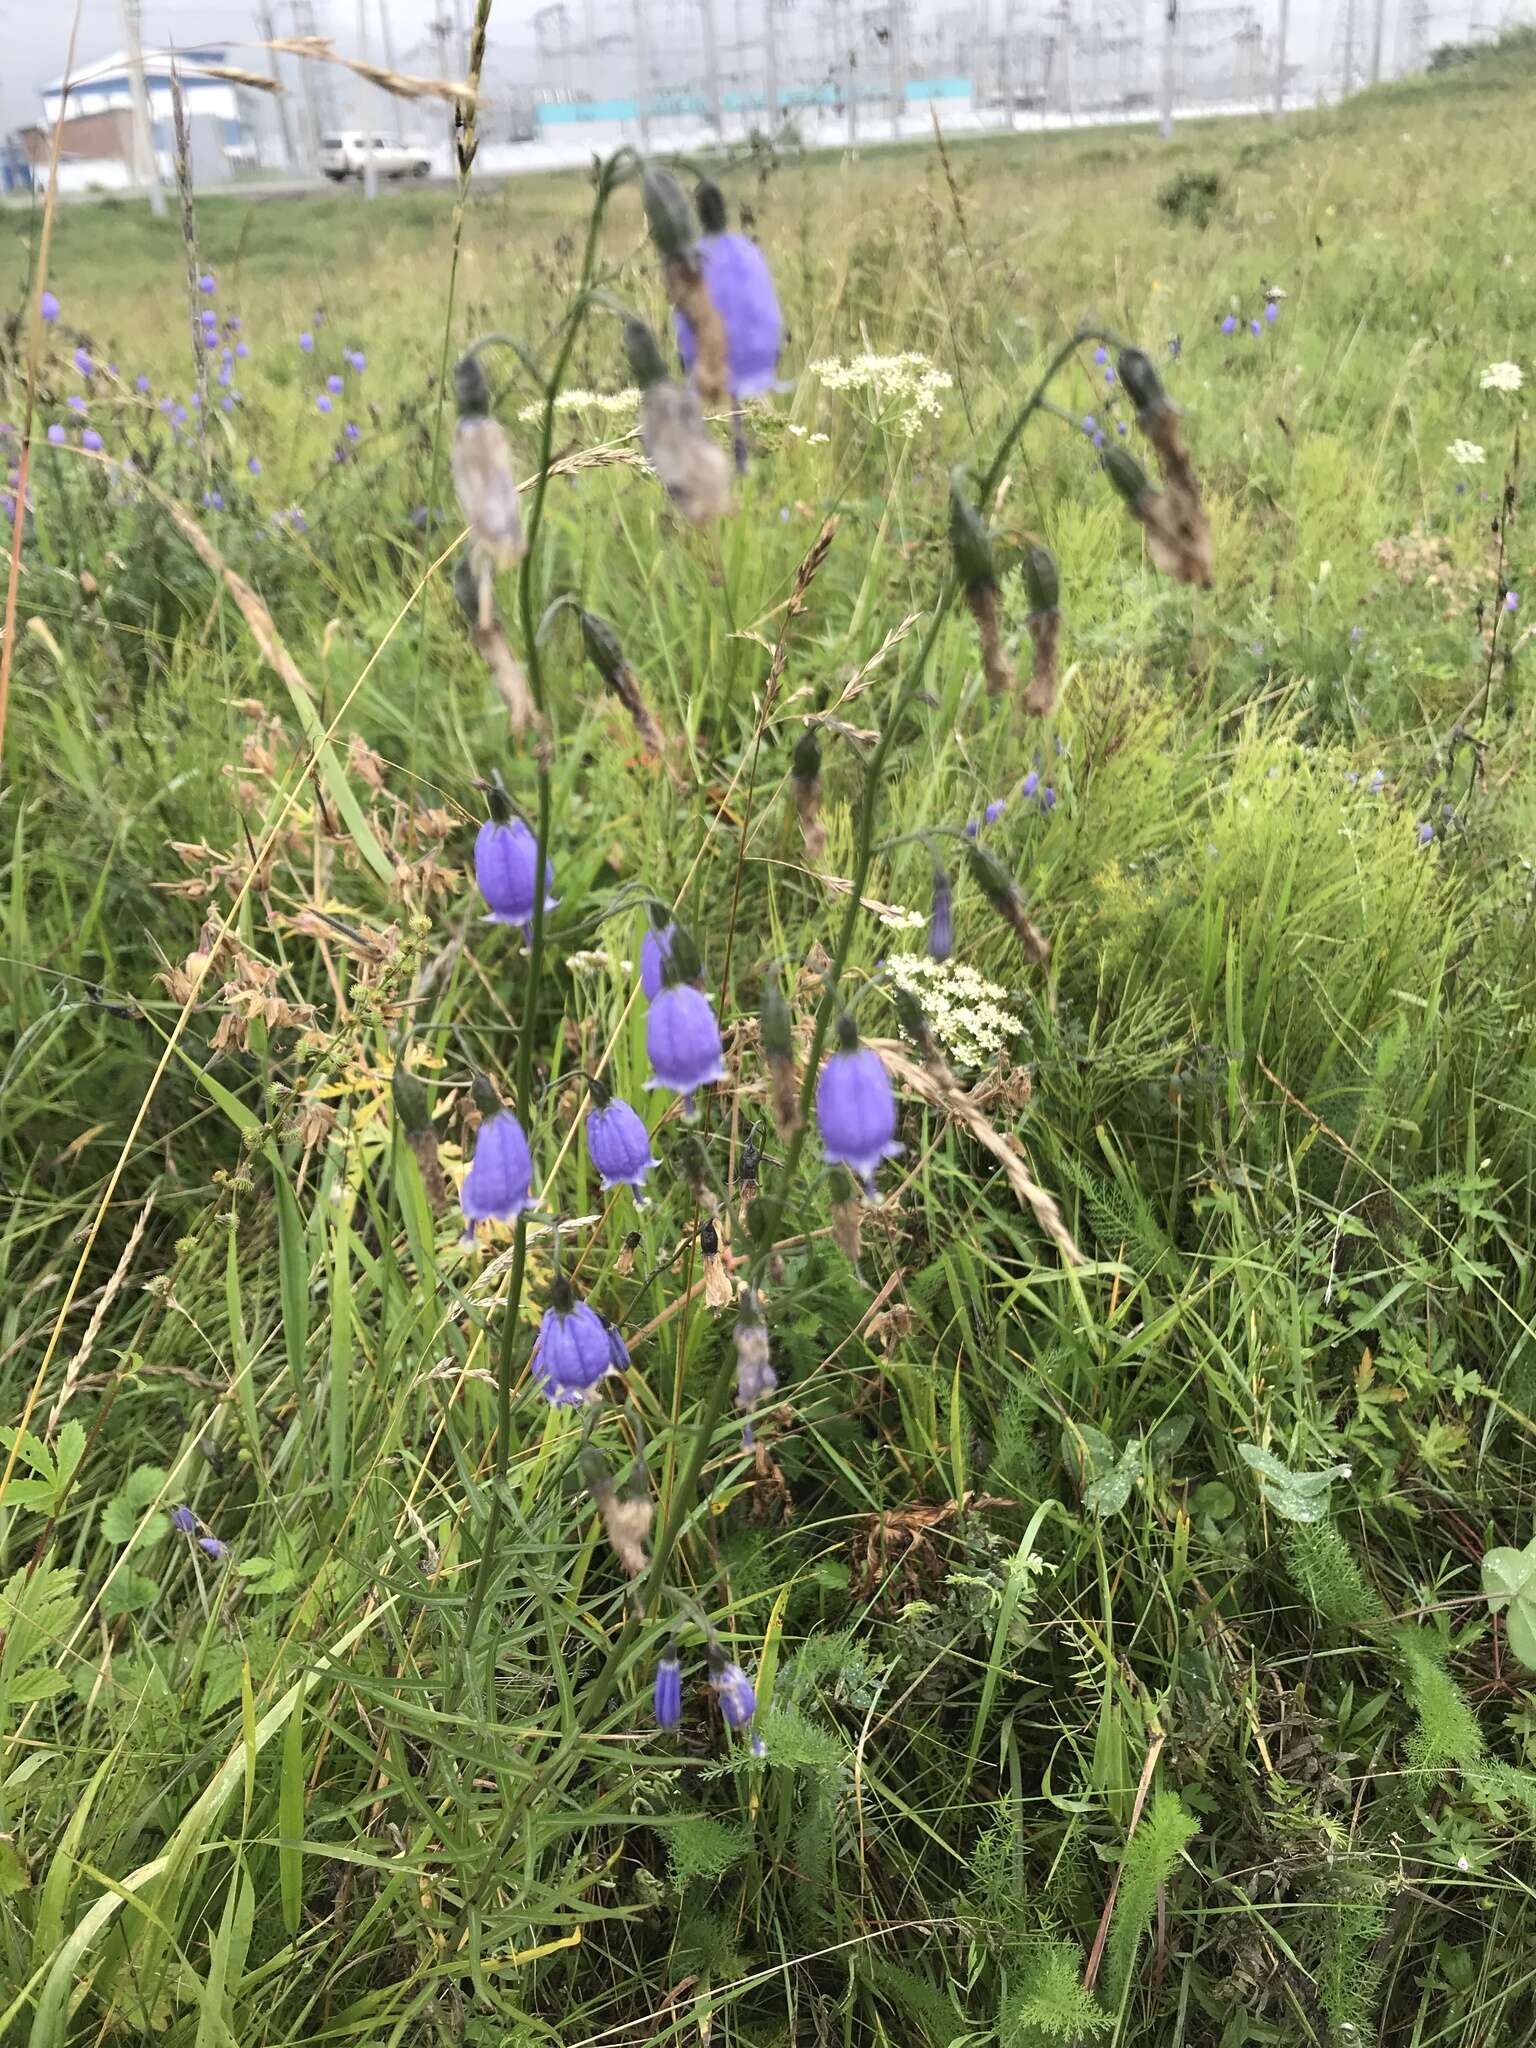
307 342
941 923
141 384
1044 586
506 859
667 1702
253 464
206 284
1426 833
92 440
212 1547
755 1376
336 382
76 402
48 306
1229 325
805 781
83 362
732 1688
482 469
971 547
693 470
1272 311
995 810
1006 898
776 1031
736 276
668 214
1255 328
618 1143
571 1352
499 1183
1511 600
618 1350
856 1107
183 1521
655 952
56 435
358 360
323 402
683 1041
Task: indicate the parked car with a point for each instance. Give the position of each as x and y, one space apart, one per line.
345 156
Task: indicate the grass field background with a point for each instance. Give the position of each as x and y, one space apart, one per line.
1124 1664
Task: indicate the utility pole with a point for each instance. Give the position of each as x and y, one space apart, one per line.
1068 85
389 65
770 66
268 30
1170 38
1282 30
146 164
712 65
893 51
642 75
365 104
440 31
1349 47
1379 32
589 29
304 25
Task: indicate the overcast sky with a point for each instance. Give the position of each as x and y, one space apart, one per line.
34 38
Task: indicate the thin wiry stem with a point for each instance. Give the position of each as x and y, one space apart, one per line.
533 653
467 147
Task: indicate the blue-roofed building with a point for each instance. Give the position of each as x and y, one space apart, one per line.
92 111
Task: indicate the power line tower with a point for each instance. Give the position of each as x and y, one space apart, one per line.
146 163
268 30
317 116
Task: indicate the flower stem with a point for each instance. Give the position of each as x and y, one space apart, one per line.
512 1307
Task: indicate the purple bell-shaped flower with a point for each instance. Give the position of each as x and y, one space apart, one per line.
499 1182
732 1688
506 857
683 1040
618 1142
856 1107
572 1351
655 952
668 1698
741 286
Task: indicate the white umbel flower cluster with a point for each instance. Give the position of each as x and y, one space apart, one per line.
1503 377
1467 453
965 1011
905 390
622 404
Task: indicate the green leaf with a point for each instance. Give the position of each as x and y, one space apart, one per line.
126 1592
1104 1477
1509 1580
68 1450
39 1684
31 1493
14 1875
30 1450
1507 1574
1294 1496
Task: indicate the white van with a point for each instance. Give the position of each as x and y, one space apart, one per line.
344 156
